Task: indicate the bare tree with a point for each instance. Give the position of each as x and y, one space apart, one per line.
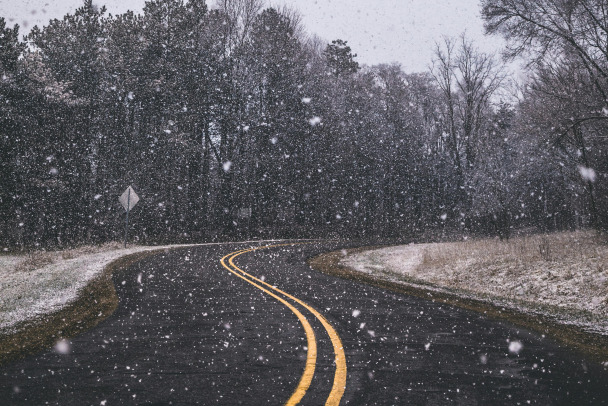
468 79
568 44
241 15
542 27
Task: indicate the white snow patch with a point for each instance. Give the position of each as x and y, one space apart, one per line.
25 295
403 258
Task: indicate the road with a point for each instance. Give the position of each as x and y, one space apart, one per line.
231 325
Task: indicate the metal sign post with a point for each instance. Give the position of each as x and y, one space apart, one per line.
127 219
128 200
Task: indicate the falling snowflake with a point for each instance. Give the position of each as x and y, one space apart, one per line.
314 121
62 347
588 174
227 165
515 347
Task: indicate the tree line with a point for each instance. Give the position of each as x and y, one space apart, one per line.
233 122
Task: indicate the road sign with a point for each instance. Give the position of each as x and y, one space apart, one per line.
128 199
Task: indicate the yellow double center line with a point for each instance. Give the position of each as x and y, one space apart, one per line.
337 390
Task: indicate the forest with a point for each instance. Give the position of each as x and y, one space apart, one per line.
231 121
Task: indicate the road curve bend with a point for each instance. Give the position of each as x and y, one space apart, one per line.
248 324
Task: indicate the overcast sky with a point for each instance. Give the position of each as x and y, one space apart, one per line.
379 31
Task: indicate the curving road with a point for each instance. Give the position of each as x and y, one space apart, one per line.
235 324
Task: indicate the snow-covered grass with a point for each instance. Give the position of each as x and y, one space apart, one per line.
43 282
563 275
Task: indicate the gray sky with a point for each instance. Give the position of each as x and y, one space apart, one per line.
402 31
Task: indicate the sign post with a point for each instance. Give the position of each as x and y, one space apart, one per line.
128 200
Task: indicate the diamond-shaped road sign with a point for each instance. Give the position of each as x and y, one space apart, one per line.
128 199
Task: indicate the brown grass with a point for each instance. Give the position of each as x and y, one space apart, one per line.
525 267
34 260
524 251
38 259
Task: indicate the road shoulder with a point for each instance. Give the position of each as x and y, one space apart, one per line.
592 346
94 303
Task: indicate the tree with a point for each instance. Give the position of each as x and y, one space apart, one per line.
340 58
74 53
468 79
569 48
12 119
546 28
498 181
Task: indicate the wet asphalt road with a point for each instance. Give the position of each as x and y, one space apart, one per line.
187 331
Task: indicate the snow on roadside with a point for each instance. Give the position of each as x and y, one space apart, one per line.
25 295
403 259
571 290
28 291
10 261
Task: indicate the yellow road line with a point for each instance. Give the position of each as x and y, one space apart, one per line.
339 385
311 358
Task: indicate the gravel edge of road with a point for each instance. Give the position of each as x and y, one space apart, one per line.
594 347
96 302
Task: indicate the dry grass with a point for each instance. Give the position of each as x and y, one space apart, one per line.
523 251
38 259
563 274
568 270
34 260
592 344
